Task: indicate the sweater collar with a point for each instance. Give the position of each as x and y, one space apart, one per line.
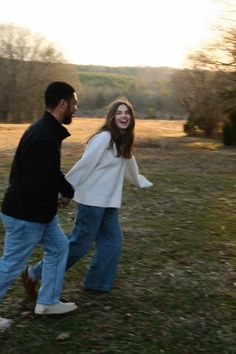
58 128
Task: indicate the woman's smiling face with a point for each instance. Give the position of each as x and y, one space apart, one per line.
122 117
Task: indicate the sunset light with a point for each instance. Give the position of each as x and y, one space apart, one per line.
119 32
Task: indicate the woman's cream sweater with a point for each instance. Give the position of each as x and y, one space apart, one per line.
98 176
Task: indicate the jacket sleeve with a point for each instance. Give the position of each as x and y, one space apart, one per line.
66 189
90 159
133 176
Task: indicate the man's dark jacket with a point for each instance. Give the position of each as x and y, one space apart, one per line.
36 177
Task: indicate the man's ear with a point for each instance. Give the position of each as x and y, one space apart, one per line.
63 103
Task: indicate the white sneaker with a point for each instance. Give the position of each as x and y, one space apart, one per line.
56 309
5 323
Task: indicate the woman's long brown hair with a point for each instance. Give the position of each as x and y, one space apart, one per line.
123 139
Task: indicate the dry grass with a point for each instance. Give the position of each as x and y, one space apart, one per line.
81 128
175 289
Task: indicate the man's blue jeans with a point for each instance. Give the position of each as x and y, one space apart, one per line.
21 239
99 225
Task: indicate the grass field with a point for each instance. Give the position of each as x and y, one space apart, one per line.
175 291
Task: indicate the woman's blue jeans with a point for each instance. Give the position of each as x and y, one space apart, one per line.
99 225
21 239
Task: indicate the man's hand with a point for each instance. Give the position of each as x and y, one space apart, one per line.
63 202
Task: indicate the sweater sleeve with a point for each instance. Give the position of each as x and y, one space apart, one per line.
90 159
133 176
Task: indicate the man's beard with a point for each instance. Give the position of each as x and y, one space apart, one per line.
67 119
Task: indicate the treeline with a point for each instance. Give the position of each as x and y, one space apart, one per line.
22 87
149 90
204 92
28 63
23 83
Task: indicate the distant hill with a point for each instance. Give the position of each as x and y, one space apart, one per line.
149 89
146 72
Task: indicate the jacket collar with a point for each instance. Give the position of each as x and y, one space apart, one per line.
58 128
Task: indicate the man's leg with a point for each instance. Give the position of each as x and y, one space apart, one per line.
20 240
86 226
55 245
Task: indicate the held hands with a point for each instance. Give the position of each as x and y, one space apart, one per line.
63 202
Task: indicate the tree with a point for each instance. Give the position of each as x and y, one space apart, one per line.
28 63
198 92
207 91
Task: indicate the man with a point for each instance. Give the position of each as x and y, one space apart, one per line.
30 204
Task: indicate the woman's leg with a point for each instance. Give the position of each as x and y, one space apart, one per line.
86 227
104 263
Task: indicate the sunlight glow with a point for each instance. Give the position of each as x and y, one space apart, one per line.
118 32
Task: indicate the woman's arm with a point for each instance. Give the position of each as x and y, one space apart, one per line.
91 157
133 176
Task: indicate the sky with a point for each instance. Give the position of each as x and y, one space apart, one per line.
118 32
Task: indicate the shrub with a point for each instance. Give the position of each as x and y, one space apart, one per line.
229 130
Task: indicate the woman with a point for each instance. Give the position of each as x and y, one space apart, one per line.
97 179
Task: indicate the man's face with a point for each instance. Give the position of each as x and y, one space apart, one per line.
70 110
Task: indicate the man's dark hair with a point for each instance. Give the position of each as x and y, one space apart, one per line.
56 91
